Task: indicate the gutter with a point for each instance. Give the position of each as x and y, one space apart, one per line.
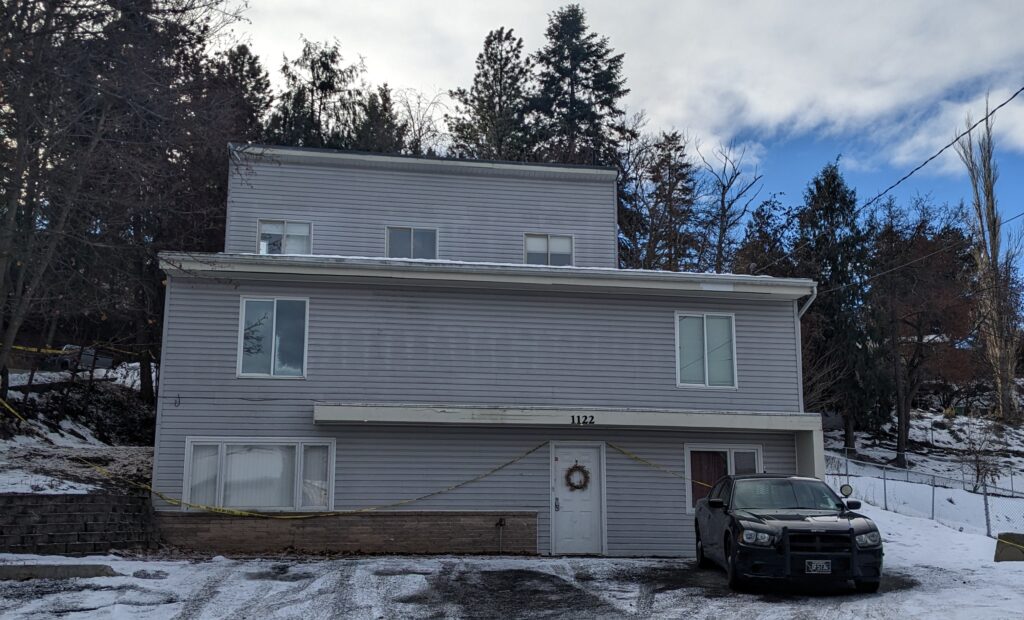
810 300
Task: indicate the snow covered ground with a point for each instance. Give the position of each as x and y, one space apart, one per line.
936 444
931 572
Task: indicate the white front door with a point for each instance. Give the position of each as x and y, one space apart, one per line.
577 519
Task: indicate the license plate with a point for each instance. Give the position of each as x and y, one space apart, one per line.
818 567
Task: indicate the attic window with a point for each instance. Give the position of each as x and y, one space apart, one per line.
406 242
553 250
282 237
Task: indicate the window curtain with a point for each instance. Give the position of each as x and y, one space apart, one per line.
203 487
721 369
691 349
314 476
259 476
706 467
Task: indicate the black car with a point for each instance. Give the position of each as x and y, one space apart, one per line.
787 527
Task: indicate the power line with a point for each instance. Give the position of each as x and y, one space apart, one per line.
879 195
916 260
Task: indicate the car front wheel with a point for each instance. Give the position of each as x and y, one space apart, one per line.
736 582
867 587
702 560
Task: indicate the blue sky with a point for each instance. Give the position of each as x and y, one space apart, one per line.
883 84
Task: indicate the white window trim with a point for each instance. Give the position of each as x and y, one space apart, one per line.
241 329
221 442
387 240
572 241
259 223
735 360
730 448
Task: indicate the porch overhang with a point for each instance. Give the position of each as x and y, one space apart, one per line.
490 415
805 427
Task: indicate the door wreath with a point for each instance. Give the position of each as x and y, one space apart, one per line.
577 477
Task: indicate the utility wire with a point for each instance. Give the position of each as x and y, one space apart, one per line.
882 193
911 262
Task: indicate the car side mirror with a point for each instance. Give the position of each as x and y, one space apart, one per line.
853 504
716 502
846 490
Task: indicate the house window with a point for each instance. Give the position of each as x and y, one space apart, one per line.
406 242
554 250
707 464
281 237
272 337
705 350
262 474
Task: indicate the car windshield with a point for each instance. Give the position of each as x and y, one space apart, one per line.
783 493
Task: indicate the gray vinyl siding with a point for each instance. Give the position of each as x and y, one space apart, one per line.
375 466
386 344
479 218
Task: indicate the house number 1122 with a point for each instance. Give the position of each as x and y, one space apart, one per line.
582 419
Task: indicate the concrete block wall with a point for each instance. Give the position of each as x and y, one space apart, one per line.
74 524
376 532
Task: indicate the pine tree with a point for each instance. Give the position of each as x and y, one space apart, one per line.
580 86
765 245
656 203
831 248
490 120
239 73
321 97
377 127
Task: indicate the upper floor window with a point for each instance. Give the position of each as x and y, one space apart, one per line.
554 250
705 350
405 242
272 337
282 237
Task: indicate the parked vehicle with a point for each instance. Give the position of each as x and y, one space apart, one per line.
74 357
769 526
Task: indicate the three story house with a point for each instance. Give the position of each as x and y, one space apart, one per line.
429 355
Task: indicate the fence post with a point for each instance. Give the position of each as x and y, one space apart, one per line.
933 497
885 492
988 521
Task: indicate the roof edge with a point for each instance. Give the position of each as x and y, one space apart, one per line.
360 158
494 273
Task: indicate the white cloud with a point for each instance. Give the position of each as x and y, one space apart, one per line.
901 74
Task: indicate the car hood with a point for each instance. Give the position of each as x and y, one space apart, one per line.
808 520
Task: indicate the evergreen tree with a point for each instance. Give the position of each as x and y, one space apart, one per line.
765 245
377 127
239 73
490 120
320 99
831 248
580 86
656 204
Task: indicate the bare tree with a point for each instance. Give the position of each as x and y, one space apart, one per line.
999 318
423 117
731 190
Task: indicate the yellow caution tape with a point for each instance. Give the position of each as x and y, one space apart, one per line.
100 347
1012 544
39 350
244 513
640 459
16 414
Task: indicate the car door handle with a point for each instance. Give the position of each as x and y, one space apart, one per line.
557 505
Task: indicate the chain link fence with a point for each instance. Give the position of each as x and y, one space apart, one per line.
958 503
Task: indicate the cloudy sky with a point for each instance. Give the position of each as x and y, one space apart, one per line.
881 84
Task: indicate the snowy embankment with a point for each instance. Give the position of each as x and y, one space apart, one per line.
47 452
937 446
931 572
